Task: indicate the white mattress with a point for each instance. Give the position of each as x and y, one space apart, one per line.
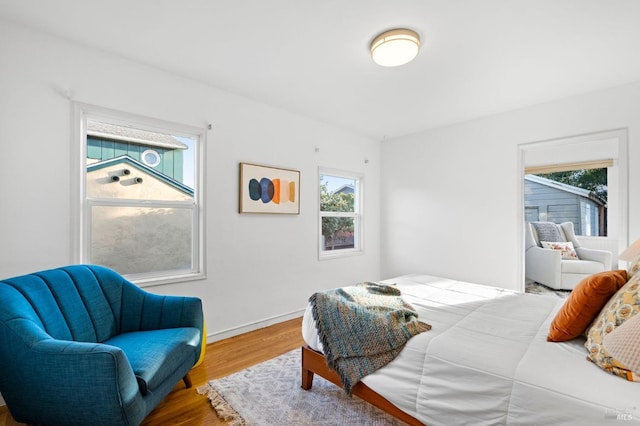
486 361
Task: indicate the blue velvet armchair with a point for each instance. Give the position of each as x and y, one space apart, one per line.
81 345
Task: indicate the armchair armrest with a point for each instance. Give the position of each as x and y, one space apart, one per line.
147 311
543 265
601 256
90 374
171 311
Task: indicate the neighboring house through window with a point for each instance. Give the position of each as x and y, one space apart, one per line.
581 179
140 196
571 195
340 213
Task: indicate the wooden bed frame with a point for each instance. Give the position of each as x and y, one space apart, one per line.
313 362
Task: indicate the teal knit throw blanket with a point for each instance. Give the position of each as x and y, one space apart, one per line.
363 328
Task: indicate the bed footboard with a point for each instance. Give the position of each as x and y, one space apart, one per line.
314 363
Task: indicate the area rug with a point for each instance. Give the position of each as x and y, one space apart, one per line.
537 288
269 394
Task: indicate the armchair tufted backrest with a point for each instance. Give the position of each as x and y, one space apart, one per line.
80 302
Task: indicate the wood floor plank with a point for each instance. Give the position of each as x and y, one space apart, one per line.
185 406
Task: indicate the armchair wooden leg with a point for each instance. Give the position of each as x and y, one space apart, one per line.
187 381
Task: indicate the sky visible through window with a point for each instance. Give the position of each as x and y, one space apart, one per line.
335 182
188 161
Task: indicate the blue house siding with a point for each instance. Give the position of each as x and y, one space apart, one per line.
562 203
101 149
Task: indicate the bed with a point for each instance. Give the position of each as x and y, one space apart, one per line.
485 361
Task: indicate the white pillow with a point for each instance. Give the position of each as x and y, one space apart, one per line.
565 248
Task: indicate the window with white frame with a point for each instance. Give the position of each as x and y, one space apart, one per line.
140 196
340 218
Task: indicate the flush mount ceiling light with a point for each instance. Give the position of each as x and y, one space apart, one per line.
395 47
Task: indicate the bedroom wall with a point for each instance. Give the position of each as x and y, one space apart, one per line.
260 268
452 194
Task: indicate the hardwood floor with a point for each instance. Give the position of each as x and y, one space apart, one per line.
185 406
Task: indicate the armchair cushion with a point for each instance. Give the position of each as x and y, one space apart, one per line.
585 267
155 354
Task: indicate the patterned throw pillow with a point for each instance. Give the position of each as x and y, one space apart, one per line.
622 306
634 267
566 249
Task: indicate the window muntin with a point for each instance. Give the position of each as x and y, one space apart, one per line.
141 213
340 213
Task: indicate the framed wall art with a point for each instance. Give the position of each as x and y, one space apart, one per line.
265 189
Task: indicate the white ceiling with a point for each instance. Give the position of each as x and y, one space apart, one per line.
311 57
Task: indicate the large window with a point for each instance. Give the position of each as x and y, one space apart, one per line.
340 213
140 196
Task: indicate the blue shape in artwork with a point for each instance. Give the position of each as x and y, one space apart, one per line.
267 190
255 190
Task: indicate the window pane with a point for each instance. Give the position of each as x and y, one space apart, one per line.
337 194
130 163
338 233
141 206
340 213
135 240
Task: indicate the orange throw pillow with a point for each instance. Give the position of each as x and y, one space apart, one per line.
584 303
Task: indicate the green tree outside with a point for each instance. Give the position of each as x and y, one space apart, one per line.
333 227
594 180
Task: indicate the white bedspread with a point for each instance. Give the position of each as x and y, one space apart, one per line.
486 361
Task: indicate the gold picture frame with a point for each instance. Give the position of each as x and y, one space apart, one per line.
266 189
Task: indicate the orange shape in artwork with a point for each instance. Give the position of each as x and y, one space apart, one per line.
276 191
292 192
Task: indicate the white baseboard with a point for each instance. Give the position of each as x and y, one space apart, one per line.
245 328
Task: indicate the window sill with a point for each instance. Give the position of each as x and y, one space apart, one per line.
142 281
339 254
